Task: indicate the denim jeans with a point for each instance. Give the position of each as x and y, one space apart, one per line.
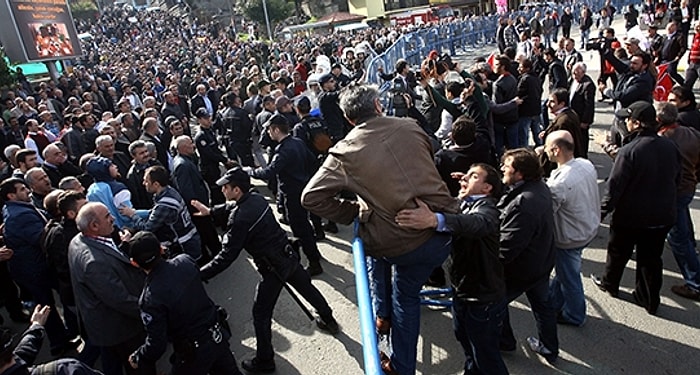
478 327
406 275
512 136
682 241
524 125
566 288
584 38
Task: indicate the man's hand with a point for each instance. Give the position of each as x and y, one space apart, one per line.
127 211
457 175
132 362
417 218
202 210
248 170
125 235
230 163
5 253
40 315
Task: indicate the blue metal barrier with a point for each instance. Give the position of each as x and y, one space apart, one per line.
370 351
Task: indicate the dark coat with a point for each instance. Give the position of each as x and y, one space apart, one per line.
583 100
527 233
643 182
530 91
475 268
107 289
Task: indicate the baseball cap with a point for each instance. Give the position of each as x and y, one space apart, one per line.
202 112
632 41
236 176
144 249
640 110
303 103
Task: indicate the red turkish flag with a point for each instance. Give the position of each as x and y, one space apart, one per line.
664 83
491 58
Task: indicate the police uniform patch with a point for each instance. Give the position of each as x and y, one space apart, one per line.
146 318
203 142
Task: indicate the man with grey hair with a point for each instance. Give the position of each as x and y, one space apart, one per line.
681 237
56 164
190 183
151 133
582 101
40 185
71 183
397 151
107 287
104 146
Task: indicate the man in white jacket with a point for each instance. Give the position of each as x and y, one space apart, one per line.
575 201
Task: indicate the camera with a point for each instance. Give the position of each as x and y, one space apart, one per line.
397 86
598 44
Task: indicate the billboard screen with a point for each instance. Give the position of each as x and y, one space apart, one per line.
39 30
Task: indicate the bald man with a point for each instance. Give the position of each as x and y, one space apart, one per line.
576 209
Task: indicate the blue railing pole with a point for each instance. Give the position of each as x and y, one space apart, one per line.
370 351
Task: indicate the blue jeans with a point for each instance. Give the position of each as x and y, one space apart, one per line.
410 272
566 288
478 327
584 38
512 136
524 125
682 241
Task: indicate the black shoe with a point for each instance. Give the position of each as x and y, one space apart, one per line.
601 285
647 307
314 268
506 347
320 234
257 365
328 325
331 227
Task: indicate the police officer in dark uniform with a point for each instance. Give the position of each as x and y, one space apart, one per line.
238 128
293 165
175 307
210 156
309 130
251 225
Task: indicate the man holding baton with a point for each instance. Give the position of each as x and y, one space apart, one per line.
251 225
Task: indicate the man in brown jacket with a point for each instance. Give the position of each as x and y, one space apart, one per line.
565 118
387 162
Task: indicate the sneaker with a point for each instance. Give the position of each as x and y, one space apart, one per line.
257 365
331 227
328 325
314 268
686 292
539 348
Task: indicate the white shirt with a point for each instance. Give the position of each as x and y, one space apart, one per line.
575 203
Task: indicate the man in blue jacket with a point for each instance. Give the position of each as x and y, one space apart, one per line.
28 267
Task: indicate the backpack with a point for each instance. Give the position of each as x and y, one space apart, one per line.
317 137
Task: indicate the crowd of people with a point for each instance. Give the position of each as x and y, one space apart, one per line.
116 176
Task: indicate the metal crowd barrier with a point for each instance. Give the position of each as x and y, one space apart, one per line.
370 350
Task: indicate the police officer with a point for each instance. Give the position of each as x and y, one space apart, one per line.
314 132
238 127
293 164
251 225
210 156
175 307
168 217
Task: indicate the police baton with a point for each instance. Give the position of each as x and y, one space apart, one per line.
290 291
